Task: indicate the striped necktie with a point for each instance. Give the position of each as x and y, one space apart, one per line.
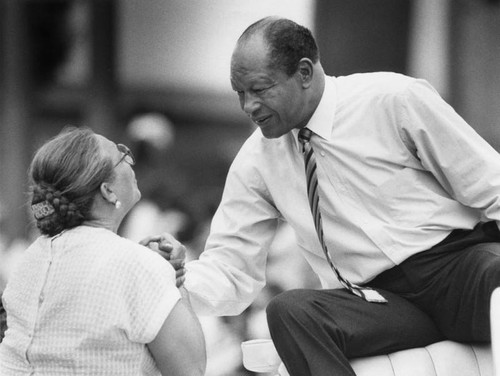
366 293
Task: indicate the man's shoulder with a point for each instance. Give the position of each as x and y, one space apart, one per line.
374 82
375 77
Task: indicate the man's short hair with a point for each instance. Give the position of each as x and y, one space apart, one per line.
288 42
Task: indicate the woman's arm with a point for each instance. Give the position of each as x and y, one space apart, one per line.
179 348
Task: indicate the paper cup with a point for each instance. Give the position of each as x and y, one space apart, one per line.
259 355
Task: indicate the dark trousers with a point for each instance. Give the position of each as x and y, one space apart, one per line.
442 293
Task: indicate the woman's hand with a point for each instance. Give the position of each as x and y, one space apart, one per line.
170 249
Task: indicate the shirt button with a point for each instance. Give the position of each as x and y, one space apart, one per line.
322 153
40 299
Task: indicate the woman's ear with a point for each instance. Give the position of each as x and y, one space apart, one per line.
107 193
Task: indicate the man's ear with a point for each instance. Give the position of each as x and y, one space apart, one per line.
107 193
305 71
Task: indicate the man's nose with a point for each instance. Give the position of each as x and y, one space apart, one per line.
250 103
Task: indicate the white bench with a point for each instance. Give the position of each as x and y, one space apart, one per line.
446 358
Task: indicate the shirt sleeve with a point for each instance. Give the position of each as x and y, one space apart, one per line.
231 271
459 158
149 295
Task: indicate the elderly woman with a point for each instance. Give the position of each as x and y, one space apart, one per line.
84 300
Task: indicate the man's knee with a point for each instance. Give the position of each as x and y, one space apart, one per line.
287 301
290 303
488 269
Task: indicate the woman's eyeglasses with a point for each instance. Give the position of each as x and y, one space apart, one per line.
127 155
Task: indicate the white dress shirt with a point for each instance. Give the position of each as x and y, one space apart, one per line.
398 170
86 303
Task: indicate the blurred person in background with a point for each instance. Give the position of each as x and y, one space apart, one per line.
152 139
404 236
84 300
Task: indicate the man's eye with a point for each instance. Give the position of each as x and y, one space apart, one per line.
260 90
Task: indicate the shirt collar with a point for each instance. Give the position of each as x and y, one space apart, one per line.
321 122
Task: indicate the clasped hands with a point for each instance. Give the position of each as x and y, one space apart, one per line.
170 249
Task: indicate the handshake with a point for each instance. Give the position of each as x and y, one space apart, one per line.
171 250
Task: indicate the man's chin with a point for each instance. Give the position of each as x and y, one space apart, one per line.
270 133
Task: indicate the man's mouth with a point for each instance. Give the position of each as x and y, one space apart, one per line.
262 120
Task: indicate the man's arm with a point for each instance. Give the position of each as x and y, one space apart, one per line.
230 273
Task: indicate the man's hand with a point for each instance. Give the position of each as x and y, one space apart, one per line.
170 249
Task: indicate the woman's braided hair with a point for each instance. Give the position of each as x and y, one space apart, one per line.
66 173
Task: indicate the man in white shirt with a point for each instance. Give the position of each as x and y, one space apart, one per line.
409 196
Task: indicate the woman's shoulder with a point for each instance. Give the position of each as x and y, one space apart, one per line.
117 250
98 237
131 264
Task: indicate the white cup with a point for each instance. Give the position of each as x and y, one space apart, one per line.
259 355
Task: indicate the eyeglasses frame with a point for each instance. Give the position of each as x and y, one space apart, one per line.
127 155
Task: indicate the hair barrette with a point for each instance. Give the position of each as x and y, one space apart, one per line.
42 209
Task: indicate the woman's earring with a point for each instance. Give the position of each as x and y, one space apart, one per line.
118 204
